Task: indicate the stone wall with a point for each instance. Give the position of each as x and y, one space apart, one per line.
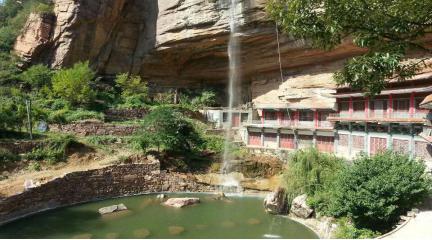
94 128
96 184
125 114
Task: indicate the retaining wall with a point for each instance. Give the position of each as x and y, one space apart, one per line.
94 128
97 184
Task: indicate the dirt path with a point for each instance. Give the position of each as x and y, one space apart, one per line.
76 162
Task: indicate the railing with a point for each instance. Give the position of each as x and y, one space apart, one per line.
380 115
325 124
309 124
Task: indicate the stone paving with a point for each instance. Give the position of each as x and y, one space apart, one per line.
418 228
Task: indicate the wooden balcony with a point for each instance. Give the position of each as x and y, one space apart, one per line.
382 116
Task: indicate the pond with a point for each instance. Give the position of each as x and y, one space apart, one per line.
237 217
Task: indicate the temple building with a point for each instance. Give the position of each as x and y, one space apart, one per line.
395 119
391 120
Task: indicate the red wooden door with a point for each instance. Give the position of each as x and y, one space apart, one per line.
254 138
377 145
235 120
287 141
325 144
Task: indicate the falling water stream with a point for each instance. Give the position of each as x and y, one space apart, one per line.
229 183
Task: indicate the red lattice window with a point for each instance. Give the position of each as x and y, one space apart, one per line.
287 141
401 146
254 138
377 144
343 140
358 142
325 144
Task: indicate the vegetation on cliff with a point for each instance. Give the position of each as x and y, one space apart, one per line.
389 29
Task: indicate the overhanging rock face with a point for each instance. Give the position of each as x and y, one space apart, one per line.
169 42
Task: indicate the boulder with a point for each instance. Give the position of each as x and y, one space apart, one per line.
220 196
112 209
300 208
276 202
181 202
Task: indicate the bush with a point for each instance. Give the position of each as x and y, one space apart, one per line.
347 230
53 150
37 76
214 143
74 84
311 172
167 128
376 190
131 85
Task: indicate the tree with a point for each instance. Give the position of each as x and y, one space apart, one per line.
9 71
165 127
131 85
134 91
376 190
37 76
74 84
389 29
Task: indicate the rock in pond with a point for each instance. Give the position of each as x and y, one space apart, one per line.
220 196
300 208
181 202
113 208
276 202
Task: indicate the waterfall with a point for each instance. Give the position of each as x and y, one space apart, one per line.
229 183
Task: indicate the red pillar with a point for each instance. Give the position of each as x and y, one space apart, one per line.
316 119
350 110
412 105
367 107
390 106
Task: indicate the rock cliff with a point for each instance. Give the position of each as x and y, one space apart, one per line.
176 43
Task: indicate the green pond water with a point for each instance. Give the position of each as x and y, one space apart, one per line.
238 217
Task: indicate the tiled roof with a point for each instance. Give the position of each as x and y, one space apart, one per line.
427 102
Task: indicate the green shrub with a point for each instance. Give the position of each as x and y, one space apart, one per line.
214 143
37 76
376 190
131 85
347 230
168 128
74 84
53 150
311 172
